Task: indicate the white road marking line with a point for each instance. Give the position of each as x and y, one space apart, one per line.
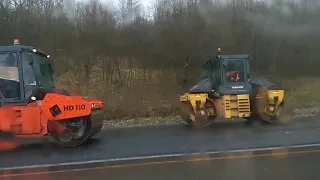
153 156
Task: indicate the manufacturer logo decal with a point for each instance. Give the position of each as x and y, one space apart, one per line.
74 107
237 87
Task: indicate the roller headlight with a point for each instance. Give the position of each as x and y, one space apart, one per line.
94 106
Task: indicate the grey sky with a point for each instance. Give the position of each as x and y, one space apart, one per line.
145 3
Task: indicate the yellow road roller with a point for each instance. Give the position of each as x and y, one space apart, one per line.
227 91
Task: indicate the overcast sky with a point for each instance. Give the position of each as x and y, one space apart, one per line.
145 3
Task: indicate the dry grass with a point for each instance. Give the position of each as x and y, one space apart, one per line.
156 93
149 93
302 91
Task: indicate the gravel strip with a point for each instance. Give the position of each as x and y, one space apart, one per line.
143 121
170 120
300 112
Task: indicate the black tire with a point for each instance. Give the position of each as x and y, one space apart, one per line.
7 141
201 121
187 121
95 130
273 119
250 120
72 142
6 135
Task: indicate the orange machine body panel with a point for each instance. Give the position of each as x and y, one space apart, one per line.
31 120
31 106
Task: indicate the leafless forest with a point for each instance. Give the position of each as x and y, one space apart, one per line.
133 59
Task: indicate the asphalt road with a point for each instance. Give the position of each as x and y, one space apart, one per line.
293 163
147 141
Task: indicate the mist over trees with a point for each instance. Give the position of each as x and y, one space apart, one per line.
134 61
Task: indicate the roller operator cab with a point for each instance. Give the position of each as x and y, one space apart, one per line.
31 106
227 91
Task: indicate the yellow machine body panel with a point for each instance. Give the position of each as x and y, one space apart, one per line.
228 106
275 97
267 101
236 106
196 100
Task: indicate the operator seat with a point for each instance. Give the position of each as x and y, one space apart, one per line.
10 88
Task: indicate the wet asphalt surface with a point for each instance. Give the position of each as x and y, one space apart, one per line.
161 140
293 163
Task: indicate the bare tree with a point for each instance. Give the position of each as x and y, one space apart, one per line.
135 63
